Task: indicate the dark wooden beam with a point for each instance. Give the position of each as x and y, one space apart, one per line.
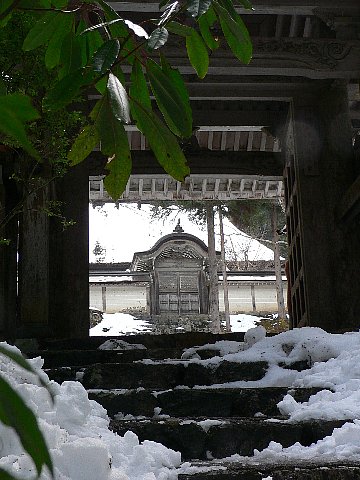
261 7
350 201
290 57
202 162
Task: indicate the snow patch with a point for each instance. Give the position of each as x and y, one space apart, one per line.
77 433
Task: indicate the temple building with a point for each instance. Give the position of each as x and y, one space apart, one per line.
178 269
171 279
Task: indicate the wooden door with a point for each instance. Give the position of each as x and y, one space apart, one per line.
179 292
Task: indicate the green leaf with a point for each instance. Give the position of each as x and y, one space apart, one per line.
21 104
107 54
14 413
162 142
119 100
101 84
158 38
246 4
179 29
4 475
172 101
197 53
62 29
84 144
59 3
120 31
198 7
42 32
137 29
170 11
117 27
5 4
34 4
115 145
3 89
119 171
236 33
101 25
178 82
14 111
83 43
64 91
22 362
206 21
139 89
71 57
94 42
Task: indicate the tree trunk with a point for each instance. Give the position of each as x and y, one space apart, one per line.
277 263
213 275
225 282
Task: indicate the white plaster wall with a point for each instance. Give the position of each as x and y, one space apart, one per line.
95 296
126 297
119 297
240 299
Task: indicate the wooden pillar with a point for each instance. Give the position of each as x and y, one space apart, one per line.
69 257
8 252
33 266
54 262
324 170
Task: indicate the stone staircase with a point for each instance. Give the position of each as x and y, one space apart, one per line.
153 393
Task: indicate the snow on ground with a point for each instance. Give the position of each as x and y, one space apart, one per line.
76 430
335 367
81 445
241 322
119 324
125 324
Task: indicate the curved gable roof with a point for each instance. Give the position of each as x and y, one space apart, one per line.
141 260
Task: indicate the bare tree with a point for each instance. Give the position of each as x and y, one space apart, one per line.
223 265
277 265
213 274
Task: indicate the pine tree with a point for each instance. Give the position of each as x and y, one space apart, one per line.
99 252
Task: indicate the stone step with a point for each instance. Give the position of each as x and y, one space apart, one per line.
69 358
222 403
220 438
176 340
299 471
161 375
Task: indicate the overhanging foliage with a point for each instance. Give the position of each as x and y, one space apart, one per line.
86 46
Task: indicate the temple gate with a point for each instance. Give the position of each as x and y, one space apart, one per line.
292 113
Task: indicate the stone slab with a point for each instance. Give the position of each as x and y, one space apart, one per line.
206 403
278 472
168 375
222 440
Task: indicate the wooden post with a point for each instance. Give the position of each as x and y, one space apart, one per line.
213 274
69 257
277 264
34 280
103 298
253 299
8 253
225 282
325 253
